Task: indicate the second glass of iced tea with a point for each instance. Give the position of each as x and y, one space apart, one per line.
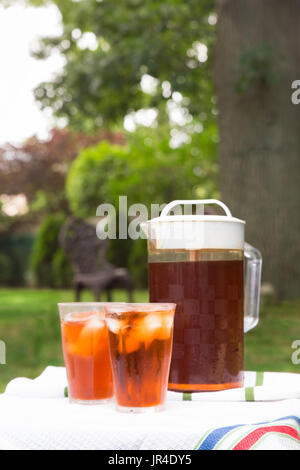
140 339
86 352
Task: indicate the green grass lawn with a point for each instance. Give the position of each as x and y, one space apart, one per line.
29 325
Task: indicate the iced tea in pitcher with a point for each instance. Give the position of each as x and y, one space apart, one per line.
208 338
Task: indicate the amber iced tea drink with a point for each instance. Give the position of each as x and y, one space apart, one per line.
86 352
140 338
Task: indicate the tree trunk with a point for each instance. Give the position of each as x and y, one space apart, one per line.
260 129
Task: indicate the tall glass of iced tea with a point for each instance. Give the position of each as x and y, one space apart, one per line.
86 352
140 339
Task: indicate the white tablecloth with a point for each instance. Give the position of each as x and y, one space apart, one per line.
29 421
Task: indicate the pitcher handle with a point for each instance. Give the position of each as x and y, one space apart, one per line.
253 268
178 202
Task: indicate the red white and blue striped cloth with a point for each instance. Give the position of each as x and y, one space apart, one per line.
284 433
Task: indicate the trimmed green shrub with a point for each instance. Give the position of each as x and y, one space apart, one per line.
93 177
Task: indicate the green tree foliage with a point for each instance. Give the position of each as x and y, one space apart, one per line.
109 46
146 170
35 3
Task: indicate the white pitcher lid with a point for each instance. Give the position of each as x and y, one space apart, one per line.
197 231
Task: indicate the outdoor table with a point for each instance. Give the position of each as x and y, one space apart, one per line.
36 415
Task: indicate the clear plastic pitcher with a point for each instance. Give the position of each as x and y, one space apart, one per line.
201 263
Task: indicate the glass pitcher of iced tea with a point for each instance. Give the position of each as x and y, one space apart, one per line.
201 263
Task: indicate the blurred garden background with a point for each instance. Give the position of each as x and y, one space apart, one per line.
155 100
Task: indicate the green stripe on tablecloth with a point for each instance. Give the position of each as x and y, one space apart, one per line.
259 379
249 394
66 392
187 397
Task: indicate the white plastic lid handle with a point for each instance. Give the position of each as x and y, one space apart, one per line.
172 204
